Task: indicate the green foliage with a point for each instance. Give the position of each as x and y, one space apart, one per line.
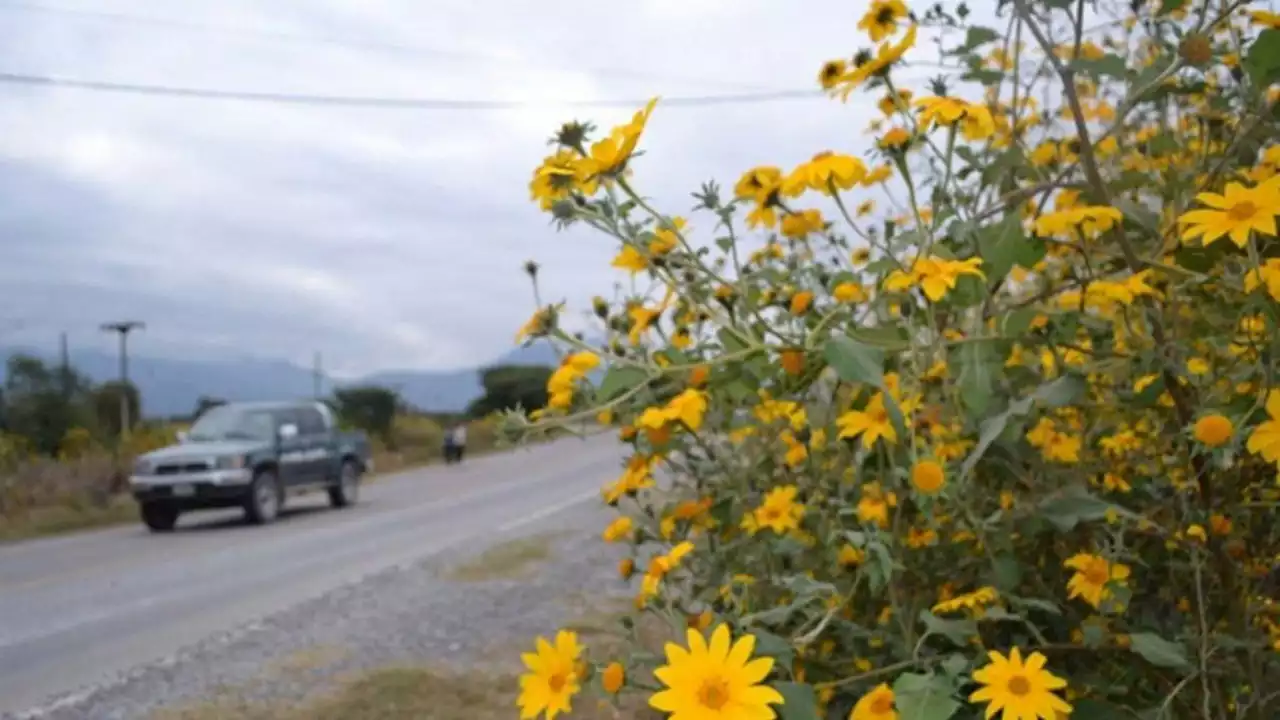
370 408
507 387
41 403
106 406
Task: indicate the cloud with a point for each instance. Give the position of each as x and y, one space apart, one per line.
382 238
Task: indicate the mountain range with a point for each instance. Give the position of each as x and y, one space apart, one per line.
171 386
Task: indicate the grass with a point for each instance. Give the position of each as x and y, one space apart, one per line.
435 693
510 560
57 519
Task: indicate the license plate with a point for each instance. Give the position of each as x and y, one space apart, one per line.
184 490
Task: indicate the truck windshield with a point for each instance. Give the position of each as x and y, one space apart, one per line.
229 423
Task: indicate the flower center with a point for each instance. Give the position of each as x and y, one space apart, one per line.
885 16
557 681
1097 574
1242 211
714 693
1019 685
882 705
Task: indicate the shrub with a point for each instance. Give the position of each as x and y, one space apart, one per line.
989 424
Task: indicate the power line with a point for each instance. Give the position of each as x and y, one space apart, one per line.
393 103
450 54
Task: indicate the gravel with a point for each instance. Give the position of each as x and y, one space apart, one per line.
415 615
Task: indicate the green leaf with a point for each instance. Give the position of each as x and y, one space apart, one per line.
1016 323
1108 65
1168 6
924 697
855 361
1098 710
1007 572
1003 245
985 77
975 37
1158 651
1060 392
730 342
1263 59
889 338
1073 506
959 632
955 665
619 380
771 645
799 701
977 364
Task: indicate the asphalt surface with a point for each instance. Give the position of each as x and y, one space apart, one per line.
78 611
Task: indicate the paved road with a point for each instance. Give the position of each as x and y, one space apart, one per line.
78 610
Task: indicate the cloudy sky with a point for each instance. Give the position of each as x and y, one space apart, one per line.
381 238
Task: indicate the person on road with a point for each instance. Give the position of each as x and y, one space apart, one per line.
459 441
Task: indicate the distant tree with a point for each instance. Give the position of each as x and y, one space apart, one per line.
371 408
204 403
509 386
106 406
42 402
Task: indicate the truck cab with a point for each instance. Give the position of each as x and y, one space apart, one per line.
253 456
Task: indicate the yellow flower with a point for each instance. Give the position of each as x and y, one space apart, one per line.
800 302
779 510
630 259
613 677
928 477
875 705
1198 366
1265 438
976 600
609 155
866 65
936 276
872 423
827 172
881 19
975 120
799 224
759 184
1267 275
618 529
715 680
1213 430
1091 220
552 680
1092 574
850 556
1018 690
1236 213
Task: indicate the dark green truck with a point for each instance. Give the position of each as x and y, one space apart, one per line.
253 456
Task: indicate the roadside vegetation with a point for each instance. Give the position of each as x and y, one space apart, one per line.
980 423
64 463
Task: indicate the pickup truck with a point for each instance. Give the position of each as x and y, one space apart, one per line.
253 456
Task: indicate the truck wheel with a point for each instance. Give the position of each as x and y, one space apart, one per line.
347 490
263 503
159 517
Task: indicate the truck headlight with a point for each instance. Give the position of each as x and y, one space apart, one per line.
142 467
230 462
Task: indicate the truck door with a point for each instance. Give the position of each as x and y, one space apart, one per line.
312 427
294 457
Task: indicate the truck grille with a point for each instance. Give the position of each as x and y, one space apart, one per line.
178 469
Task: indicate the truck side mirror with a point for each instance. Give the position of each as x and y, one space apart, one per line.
288 431
182 436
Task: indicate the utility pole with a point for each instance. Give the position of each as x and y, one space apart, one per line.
317 376
64 367
123 329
